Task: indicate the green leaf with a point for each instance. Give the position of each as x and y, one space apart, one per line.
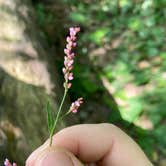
98 35
131 113
50 119
135 23
163 55
78 17
159 133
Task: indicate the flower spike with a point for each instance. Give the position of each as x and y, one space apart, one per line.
75 105
7 163
69 58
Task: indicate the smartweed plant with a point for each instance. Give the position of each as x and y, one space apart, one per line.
68 76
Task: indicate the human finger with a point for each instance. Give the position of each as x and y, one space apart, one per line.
102 143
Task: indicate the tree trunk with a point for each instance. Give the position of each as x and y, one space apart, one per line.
26 82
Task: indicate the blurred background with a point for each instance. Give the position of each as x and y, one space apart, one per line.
120 70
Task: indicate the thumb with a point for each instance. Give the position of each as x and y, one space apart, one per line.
53 156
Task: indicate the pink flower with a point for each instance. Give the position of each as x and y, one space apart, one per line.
7 163
70 76
75 105
69 58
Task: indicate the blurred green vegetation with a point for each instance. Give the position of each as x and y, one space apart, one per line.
124 41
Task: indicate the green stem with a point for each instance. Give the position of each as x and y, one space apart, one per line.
57 116
64 115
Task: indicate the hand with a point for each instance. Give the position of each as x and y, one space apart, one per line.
100 144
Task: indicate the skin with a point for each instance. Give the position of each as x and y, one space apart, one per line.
94 144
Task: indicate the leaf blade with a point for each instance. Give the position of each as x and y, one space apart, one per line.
50 119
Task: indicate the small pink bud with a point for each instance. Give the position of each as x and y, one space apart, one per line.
77 103
77 29
66 51
68 39
70 68
74 44
80 100
73 38
66 58
70 77
70 62
68 46
64 70
66 76
71 29
69 85
65 63
72 55
74 111
73 32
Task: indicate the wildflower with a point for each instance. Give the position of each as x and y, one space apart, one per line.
7 163
69 58
68 75
75 105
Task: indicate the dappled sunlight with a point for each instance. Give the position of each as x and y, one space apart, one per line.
31 72
11 28
144 122
18 57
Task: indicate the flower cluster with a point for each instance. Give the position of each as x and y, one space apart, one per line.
69 58
7 163
75 105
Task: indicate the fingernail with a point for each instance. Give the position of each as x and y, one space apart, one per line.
54 159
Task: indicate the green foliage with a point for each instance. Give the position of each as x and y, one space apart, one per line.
50 117
147 142
43 16
98 35
78 17
160 137
132 35
132 112
87 85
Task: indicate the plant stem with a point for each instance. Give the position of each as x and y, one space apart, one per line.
57 116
